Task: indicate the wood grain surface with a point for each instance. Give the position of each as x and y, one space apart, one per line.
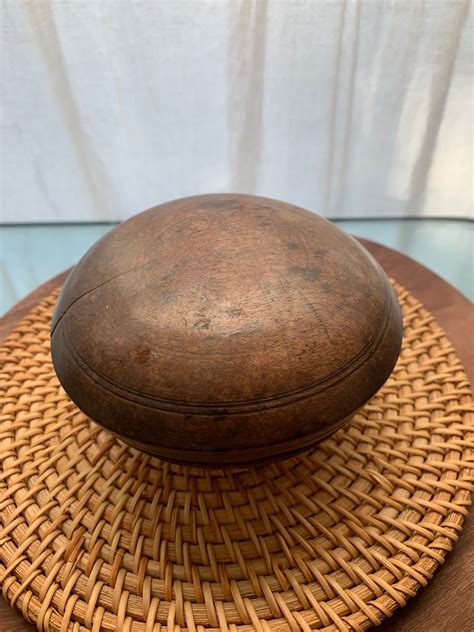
274 328
446 604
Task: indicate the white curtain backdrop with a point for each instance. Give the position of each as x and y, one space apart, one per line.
349 108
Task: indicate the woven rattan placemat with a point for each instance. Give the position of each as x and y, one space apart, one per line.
96 535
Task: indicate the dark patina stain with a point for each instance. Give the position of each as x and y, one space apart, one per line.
310 274
202 324
142 354
234 312
262 219
320 253
219 203
167 296
251 328
293 246
165 289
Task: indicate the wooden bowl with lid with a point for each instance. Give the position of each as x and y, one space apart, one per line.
225 330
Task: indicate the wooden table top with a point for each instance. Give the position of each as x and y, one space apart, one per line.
446 604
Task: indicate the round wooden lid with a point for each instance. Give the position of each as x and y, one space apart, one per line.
225 329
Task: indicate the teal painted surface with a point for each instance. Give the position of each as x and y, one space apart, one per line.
30 255
444 246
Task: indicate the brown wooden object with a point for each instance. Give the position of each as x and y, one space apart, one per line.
225 329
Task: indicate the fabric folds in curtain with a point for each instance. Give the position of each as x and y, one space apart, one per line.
350 108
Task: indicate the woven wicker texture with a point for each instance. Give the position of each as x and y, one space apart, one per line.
98 536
